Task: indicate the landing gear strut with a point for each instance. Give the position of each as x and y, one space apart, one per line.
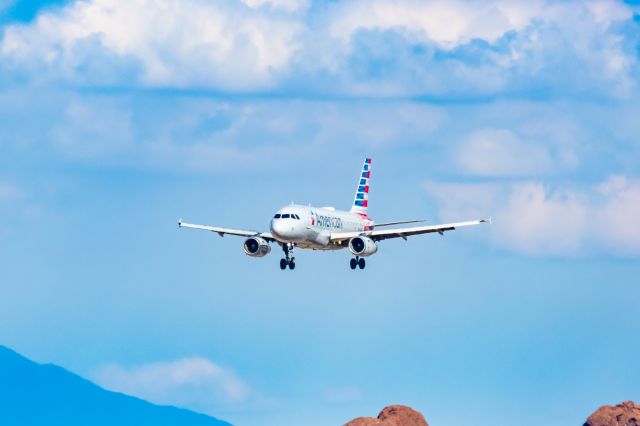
288 257
357 262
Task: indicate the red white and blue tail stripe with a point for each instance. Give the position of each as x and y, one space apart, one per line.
361 202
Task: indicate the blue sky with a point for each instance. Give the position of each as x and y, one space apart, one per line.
117 120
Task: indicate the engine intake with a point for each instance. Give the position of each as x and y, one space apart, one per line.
256 247
362 246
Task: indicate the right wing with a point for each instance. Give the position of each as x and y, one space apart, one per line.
221 231
378 235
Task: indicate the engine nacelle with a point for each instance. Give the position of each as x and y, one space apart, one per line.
256 247
362 246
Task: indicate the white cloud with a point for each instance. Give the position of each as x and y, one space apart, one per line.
451 23
173 42
195 383
447 23
617 224
93 129
524 44
534 219
369 48
199 134
286 5
500 152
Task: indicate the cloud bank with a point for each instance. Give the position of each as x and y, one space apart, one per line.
350 48
170 43
551 220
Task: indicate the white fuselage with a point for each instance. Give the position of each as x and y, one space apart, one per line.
311 227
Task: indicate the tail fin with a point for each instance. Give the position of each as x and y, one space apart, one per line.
361 202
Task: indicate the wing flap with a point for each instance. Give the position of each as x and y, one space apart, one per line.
378 235
402 222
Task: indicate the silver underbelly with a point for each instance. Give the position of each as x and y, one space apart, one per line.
314 246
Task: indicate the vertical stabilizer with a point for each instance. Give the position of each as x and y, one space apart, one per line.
361 202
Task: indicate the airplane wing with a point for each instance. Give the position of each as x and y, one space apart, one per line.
378 235
222 231
402 222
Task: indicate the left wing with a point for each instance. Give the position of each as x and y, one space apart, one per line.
378 235
221 231
403 222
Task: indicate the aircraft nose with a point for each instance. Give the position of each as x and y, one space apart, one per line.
278 228
282 229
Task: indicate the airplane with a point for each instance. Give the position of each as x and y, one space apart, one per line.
325 228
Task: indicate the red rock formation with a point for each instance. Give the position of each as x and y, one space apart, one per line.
625 414
394 415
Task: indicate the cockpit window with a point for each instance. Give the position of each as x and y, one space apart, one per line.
277 216
286 216
295 216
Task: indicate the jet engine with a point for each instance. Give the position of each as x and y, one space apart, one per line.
256 247
362 246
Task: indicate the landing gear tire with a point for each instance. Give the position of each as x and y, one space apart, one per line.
353 263
288 260
361 263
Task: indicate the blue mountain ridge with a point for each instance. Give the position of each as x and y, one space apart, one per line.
34 394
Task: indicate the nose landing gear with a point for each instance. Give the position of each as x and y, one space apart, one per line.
288 260
357 261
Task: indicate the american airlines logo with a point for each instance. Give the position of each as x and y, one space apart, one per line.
327 221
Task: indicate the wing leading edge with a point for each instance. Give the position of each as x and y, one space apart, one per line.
222 231
383 234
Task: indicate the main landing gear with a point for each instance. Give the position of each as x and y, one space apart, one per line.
357 261
288 260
